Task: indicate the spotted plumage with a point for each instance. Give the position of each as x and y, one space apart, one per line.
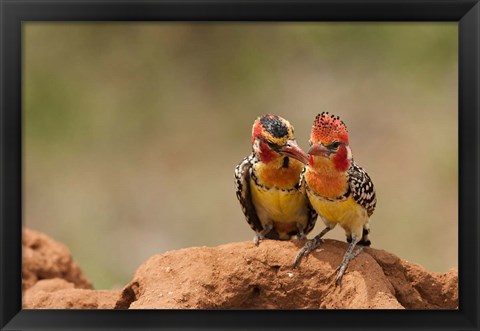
337 187
243 173
362 188
267 183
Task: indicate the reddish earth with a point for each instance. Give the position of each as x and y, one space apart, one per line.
44 258
239 275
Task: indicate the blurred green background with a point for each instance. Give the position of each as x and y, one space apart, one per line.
132 130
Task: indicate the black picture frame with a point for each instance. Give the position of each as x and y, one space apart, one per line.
15 12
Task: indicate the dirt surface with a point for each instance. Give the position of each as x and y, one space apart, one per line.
45 258
240 275
60 294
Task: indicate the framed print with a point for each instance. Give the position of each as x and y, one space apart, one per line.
144 145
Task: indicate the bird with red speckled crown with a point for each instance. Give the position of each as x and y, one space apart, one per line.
267 183
338 188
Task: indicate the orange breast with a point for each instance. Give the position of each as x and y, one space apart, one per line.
272 174
329 184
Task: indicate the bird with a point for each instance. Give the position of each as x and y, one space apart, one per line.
339 190
267 183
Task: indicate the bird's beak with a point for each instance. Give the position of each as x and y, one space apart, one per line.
318 149
291 149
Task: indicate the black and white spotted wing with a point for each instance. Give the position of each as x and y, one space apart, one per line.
362 188
312 217
242 183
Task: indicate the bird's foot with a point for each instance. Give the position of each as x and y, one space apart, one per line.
301 235
257 238
306 249
309 247
261 235
343 265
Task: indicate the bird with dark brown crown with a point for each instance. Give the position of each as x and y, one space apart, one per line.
267 183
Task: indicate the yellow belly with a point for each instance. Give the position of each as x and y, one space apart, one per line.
350 215
286 210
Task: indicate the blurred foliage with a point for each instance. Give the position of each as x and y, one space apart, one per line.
132 130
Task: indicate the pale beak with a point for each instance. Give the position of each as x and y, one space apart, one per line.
292 150
319 149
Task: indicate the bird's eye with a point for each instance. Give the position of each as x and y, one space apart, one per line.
271 144
334 145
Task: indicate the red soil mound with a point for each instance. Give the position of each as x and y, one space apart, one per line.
240 275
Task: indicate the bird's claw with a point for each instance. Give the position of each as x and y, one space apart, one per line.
344 264
257 238
306 249
301 236
341 270
298 257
